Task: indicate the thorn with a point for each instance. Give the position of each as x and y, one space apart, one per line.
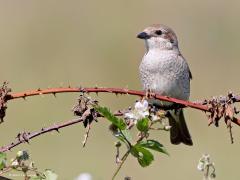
235 110
18 136
54 94
56 128
38 89
25 137
81 89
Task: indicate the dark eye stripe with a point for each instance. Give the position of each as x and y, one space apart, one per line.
158 32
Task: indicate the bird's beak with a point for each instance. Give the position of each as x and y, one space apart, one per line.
143 35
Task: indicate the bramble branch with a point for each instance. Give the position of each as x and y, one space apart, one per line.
97 90
26 136
55 91
88 110
210 106
217 107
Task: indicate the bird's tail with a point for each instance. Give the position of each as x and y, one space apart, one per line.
179 132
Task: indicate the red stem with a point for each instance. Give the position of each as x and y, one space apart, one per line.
106 90
54 91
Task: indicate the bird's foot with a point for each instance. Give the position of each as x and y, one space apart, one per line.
149 94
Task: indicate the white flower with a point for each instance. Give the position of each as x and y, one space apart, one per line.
141 105
140 111
15 164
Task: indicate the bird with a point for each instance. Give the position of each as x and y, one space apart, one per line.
163 70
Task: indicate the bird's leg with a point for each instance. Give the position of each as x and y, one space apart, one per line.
150 94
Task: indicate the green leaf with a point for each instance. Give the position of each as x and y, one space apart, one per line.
50 175
107 114
3 158
143 124
154 145
144 156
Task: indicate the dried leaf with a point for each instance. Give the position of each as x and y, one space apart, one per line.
229 111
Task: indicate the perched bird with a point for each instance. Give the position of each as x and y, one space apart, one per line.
164 70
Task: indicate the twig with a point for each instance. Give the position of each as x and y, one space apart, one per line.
26 136
31 135
229 126
121 163
86 135
118 154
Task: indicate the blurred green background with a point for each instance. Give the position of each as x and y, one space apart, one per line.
59 43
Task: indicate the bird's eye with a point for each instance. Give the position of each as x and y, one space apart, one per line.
158 32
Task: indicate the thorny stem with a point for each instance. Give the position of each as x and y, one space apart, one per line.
25 137
121 163
106 90
54 91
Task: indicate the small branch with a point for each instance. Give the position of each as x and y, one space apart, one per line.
86 135
26 136
120 164
22 137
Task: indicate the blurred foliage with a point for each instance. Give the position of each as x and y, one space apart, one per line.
21 166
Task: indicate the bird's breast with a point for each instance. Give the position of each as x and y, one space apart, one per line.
165 74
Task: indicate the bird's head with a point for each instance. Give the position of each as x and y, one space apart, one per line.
159 36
